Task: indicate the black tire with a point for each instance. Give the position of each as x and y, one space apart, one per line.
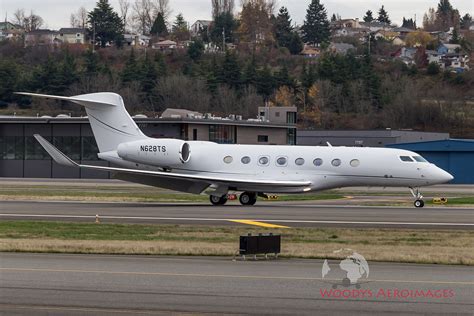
248 198
216 200
419 203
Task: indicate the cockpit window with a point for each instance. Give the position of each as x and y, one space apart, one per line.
406 158
419 159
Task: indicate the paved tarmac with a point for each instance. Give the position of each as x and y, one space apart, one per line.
292 214
52 284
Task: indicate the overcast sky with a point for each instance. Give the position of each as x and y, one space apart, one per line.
56 13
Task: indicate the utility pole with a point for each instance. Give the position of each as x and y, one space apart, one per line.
93 38
223 39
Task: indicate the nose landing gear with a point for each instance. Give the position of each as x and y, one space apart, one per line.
418 196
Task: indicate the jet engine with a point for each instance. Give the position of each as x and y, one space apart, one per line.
156 152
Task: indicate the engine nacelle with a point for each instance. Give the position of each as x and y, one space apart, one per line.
156 152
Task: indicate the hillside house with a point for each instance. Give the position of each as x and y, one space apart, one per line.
166 45
42 37
449 48
72 35
199 25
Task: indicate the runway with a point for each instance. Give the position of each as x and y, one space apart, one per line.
52 284
290 214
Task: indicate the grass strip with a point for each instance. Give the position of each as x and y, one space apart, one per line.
395 245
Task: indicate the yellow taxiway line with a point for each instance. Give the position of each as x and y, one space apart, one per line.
261 224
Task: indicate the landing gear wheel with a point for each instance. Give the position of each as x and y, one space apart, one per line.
248 198
419 203
218 200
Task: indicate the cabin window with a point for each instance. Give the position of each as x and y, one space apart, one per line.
318 162
262 138
245 160
336 162
228 159
355 163
406 158
419 159
263 161
282 161
299 161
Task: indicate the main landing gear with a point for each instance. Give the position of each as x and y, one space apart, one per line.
418 197
218 200
246 198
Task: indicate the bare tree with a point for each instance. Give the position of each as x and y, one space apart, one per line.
124 8
163 7
143 15
79 19
222 6
19 17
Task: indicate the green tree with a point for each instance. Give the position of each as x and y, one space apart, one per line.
195 50
159 26
106 24
466 21
230 71
9 75
283 28
409 23
316 26
296 44
282 78
265 82
149 76
180 28
132 70
446 15
383 16
224 23
250 72
308 76
91 63
368 16
433 69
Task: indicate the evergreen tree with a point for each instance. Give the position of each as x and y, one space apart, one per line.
68 71
282 78
308 76
132 70
230 71
162 68
250 72
283 28
265 82
333 17
9 75
383 16
316 25
195 50
296 44
159 26
368 16
466 21
223 23
409 23
149 78
91 63
180 28
106 24
455 37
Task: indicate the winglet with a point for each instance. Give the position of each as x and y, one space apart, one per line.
57 156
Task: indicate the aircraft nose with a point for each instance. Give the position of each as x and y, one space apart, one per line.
444 176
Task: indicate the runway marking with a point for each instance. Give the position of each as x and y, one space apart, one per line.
261 224
198 275
198 219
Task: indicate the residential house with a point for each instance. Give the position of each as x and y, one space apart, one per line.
402 31
72 35
42 37
136 40
397 41
449 48
341 48
457 62
310 52
199 25
10 31
433 56
166 45
345 23
376 26
406 55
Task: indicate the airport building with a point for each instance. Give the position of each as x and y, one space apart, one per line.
365 138
22 156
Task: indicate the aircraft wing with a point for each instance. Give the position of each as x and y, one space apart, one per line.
203 179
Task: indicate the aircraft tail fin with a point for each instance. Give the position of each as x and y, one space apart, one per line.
110 121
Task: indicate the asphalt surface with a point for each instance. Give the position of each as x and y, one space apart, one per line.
52 284
288 214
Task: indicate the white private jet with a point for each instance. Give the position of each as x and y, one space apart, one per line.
254 170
